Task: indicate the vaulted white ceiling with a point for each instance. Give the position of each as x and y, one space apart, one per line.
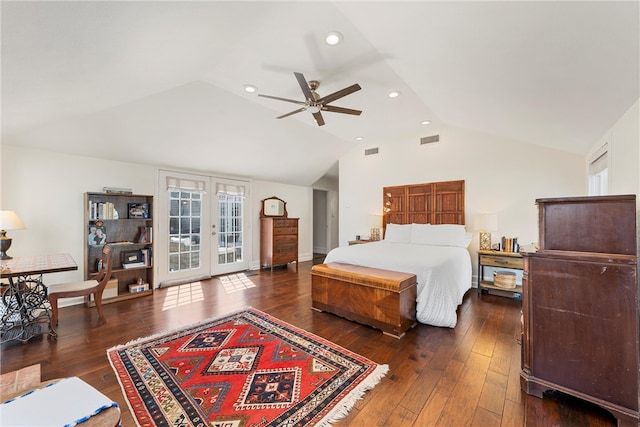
161 82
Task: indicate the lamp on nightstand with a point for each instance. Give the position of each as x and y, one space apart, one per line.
486 223
8 221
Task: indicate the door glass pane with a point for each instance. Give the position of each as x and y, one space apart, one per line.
184 230
230 231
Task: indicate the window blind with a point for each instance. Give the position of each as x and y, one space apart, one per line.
230 189
174 183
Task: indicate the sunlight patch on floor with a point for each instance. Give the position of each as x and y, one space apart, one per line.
236 282
182 295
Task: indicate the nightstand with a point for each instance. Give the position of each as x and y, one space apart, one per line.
499 260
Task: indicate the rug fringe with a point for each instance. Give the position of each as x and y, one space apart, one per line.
342 410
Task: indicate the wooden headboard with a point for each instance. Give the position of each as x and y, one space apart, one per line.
433 203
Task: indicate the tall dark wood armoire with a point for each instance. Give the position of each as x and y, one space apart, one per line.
580 304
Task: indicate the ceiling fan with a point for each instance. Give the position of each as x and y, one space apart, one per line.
316 103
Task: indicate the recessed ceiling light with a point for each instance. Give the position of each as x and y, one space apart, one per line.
359 138
426 122
333 38
394 94
249 88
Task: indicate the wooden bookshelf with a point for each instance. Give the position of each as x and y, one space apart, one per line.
127 221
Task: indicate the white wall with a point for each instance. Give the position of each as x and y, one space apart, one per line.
46 190
299 205
501 176
624 153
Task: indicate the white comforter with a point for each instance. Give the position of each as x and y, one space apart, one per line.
443 273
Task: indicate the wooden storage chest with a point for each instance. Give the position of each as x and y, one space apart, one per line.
380 298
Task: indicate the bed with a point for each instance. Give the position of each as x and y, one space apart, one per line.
435 250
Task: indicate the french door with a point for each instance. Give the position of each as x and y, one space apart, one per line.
203 227
230 247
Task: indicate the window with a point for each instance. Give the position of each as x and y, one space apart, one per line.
599 173
185 210
231 233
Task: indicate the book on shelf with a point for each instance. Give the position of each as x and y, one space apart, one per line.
145 234
102 210
146 256
509 244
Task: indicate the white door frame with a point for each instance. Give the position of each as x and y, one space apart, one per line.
161 255
214 226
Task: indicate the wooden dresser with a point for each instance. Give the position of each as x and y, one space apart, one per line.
580 304
278 241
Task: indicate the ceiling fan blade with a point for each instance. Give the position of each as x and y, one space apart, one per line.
319 118
339 94
283 99
304 86
334 109
299 110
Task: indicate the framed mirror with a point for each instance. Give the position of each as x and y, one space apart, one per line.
273 207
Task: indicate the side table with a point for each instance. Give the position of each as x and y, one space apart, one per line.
498 259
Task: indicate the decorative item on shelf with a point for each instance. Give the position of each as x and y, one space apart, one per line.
97 234
138 210
132 259
136 287
486 223
504 279
8 221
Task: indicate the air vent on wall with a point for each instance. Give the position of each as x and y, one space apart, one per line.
370 151
429 139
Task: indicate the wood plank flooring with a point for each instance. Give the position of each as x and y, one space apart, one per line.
466 376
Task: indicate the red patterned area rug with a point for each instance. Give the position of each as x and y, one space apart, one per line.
243 369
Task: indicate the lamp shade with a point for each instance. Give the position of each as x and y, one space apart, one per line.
486 222
10 221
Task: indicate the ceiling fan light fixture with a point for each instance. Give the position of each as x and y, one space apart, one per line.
250 88
333 38
313 109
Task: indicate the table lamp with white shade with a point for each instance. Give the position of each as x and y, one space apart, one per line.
8 221
485 224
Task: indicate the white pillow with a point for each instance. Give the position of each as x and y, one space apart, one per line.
467 239
441 235
398 233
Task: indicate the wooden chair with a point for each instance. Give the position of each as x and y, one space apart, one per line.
93 287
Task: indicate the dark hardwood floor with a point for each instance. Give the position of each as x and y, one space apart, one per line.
467 376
